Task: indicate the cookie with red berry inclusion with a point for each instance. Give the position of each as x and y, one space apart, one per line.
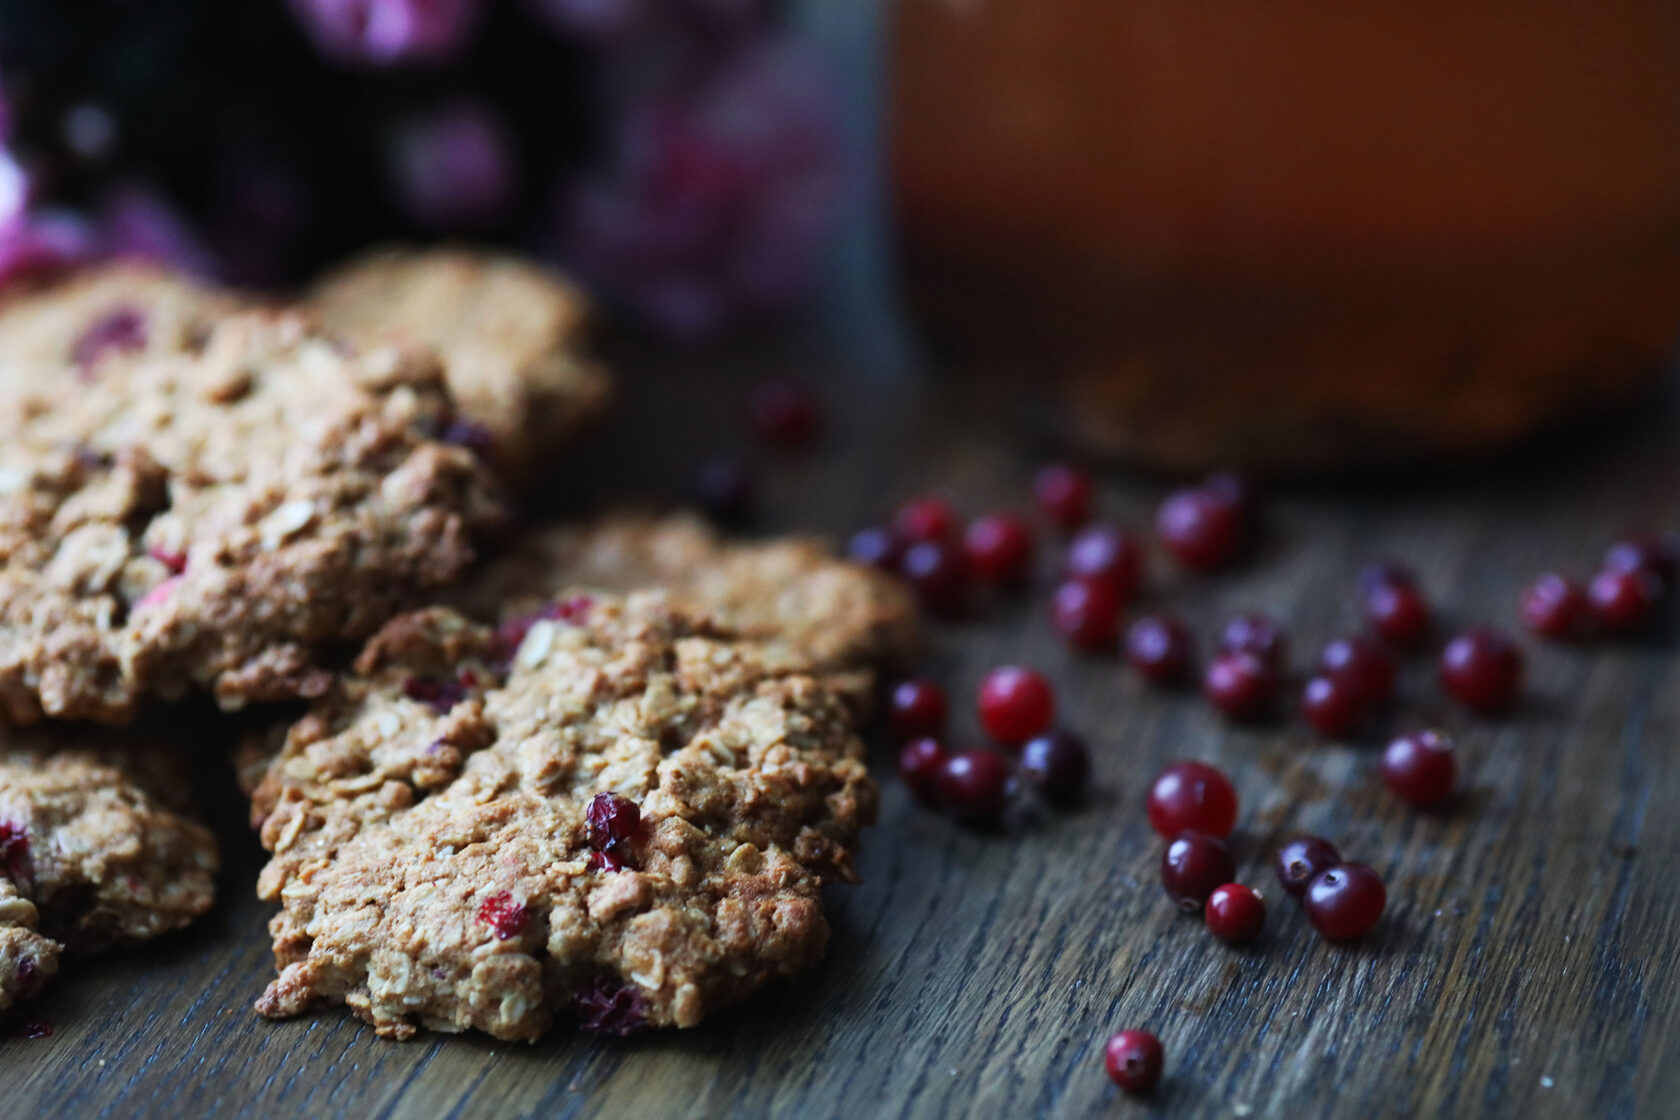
432 847
849 619
96 849
511 337
212 519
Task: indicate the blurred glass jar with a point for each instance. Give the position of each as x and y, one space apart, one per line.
1293 234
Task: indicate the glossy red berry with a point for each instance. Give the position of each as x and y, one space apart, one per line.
784 412
1258 634
1086 614
1645 551
1063 492
877 546
1300 861
974 785
611 821
916 708
1235 913
1192 866
1554 606
1363 665
938 572
1193 797
1000 549
925 519
1345 901
920 764
503 915
1200 529
1396 609
1420 768
1482 670
1134 1060
1106 553
1332 706
1016 703
1240 685
1158 647
1234 490
1057 765
1622 601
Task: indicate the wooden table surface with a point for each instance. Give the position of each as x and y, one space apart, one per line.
1526 965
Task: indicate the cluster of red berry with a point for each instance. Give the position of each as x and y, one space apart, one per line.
1017 710
1620 599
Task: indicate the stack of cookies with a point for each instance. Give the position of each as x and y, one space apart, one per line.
599 770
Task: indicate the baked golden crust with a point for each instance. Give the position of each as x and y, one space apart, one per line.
510 335
209 518
428 823
847 618
95 849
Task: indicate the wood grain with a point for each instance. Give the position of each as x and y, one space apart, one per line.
1526 966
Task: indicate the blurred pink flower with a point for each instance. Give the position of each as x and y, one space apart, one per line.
453 168
382 32
43 242
138 222
719 197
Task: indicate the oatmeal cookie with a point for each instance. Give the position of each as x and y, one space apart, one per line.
212 518
846 617
72 329
95 849
510 335
628 817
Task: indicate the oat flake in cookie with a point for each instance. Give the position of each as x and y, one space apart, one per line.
847 618
627 818
95 850
210 518
510 335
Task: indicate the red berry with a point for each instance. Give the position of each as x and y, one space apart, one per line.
1057 765
175 561
1482 670
974 785
1192 796
1086 614
1063 492
920 764
1192 866
1134 1060
1554 606
1332 706
1642 551
503 915
1300 861
1158 647
1235 913
1016 703
783 412
877 546
1240 685
14 851
925 519
1258 634
1200 529
938 573
611 821
1344 901
916 708
1622 601
1398 611
1000 549
1233 490
1363 665
610 1007
1107 553
1420 768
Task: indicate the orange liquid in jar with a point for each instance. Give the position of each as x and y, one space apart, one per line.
1291 233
